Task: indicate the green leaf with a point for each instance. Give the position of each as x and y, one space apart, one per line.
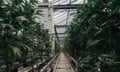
92 42
26 47
16 51
21 18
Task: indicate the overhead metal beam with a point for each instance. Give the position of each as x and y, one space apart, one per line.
61 37
61 33
67 6
56 33
59 26
67 16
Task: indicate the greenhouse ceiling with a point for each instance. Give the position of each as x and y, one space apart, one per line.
62 17
62 10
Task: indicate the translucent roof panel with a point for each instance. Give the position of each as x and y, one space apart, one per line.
60 30
63 2
63 17
59 18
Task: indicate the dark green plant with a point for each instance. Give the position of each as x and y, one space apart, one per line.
95 29
21 37
102 63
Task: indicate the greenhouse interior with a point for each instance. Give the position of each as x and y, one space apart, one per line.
59 35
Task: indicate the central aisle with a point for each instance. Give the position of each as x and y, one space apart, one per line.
63 64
